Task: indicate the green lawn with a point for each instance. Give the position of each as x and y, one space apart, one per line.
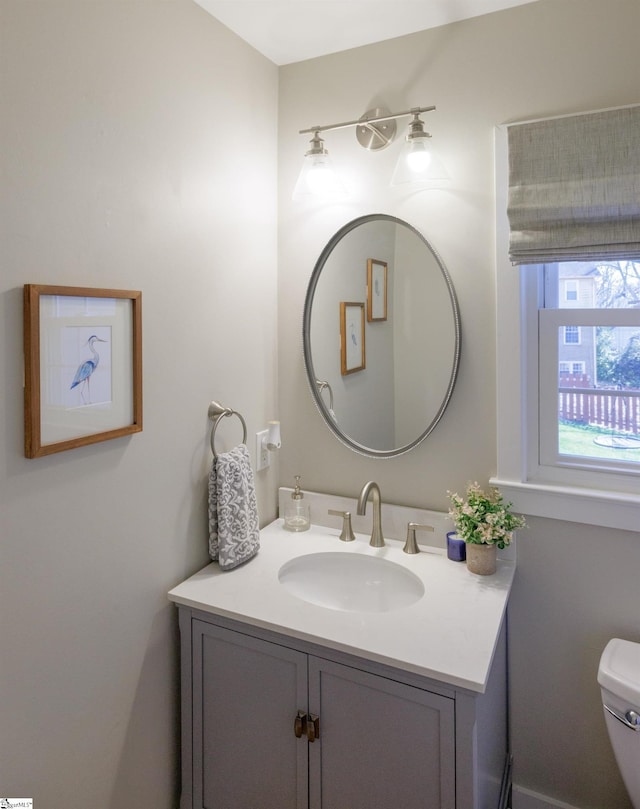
579 440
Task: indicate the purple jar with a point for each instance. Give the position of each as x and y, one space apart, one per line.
456 548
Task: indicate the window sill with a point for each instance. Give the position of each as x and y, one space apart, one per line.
589 506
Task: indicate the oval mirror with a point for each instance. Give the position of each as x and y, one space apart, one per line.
381 336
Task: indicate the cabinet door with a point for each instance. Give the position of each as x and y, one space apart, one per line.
382 745
246 693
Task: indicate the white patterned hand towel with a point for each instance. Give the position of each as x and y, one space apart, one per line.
234 535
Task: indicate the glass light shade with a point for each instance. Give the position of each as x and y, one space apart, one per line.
418 163
418 157
318 179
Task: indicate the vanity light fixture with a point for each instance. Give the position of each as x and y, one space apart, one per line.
318 178
375 130
418 162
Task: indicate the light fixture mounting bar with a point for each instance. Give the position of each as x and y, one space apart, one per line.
366 120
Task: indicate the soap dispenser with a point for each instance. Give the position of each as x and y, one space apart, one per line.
296 512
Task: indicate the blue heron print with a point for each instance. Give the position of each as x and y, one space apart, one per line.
86 369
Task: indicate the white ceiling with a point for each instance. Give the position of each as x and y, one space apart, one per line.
288 31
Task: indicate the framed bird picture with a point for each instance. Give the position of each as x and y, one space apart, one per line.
83 366
376 290
352 348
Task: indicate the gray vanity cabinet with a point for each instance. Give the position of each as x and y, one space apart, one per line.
245 695
249 701
382 743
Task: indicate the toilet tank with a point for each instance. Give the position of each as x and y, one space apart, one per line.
619 679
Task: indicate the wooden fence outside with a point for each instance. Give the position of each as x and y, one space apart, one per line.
616 410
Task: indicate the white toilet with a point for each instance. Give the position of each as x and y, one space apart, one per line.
619 678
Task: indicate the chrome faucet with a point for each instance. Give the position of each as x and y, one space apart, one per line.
377 540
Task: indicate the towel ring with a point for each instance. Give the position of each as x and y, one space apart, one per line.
217 412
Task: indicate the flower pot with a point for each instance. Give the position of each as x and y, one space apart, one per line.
481 559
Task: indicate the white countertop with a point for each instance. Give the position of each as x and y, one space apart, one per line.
448 635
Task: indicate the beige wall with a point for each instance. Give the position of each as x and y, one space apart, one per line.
575 585
122 124
129 160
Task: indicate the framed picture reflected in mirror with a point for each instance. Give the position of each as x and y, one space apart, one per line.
352 346
376 290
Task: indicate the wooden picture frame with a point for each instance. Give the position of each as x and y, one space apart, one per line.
83 366
352 346
376 290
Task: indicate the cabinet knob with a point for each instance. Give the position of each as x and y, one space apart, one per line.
313 727
299 724
306 725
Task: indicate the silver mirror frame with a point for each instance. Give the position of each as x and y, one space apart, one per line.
306 341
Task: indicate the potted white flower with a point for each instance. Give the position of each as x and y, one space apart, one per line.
485 522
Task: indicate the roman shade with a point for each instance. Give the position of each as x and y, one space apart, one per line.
574 187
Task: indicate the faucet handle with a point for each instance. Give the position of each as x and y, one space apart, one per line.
411 545
347 534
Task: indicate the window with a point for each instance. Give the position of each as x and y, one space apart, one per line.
570 321
572 335
571 290
539 470
570 369
589 413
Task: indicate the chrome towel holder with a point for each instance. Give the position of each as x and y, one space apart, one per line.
217 412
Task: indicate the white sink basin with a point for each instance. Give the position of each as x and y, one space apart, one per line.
351 582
